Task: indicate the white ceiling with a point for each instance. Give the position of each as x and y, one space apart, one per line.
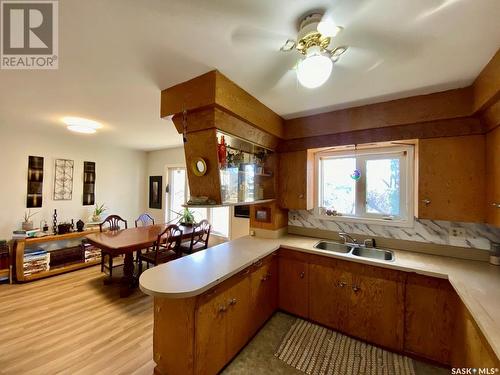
116 56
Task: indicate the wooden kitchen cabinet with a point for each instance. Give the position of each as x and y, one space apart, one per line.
211 327
294 283
264 291
451 178
493 179
469 346
295 180
430 314
222 324
376 309
329 292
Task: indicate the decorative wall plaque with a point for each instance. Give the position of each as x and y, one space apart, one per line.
35 182
88 183
63 180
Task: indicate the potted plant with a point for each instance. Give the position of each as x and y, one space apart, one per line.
98 211
186 217
28 223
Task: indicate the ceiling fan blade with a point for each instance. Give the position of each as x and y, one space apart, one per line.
260 38
343 12
277 71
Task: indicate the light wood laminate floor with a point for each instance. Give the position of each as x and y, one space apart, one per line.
73 324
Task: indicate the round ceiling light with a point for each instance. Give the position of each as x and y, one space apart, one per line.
314 70
81 125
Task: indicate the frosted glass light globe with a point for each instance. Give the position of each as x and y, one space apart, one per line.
314 70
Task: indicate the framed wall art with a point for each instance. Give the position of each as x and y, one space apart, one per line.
35 182
88 183
155 192
63 180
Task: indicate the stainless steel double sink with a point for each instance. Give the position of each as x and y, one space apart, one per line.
356 250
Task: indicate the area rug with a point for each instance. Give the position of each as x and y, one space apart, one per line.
316 350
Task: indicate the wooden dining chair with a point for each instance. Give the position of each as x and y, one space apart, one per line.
113 223
144 221
165 249
199 238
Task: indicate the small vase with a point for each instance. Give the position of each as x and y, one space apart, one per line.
96 218
27 225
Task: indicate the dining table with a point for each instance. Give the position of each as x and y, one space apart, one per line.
126 242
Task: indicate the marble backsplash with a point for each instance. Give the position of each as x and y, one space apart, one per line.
477 236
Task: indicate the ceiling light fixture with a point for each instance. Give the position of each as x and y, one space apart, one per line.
81 125
315 69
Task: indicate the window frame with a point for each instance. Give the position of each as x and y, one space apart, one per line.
208 210
362 155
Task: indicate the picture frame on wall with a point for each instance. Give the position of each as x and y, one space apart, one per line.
155 192
63 180
35 182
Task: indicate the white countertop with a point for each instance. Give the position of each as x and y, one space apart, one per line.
476 283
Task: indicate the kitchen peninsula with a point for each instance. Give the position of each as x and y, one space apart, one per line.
235 287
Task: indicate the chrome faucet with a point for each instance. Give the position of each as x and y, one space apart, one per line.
347 238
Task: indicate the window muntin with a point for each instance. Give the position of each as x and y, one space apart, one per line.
383 192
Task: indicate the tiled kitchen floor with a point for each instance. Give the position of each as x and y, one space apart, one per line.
258 356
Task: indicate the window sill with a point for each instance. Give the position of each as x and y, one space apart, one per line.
364 220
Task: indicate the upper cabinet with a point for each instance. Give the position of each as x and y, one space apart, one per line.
451 178
295 180
493 177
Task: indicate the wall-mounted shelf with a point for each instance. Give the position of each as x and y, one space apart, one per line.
228 204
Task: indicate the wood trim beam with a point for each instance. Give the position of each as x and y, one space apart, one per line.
431 129
486 87
416 109
215 89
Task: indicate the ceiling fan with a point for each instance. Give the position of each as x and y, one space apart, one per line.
313 42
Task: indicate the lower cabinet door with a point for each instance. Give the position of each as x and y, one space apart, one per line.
264 292
329 295
293 286
430 315
210 340
238 316
376 311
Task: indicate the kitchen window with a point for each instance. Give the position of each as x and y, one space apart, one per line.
371 185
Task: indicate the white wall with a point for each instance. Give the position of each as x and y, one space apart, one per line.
158 162
120 176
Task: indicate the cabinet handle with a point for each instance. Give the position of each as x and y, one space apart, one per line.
426 201
356 288
232 301
497 205
301 196
341 284
222 308
302 274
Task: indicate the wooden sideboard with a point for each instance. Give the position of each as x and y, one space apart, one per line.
416 315
19 247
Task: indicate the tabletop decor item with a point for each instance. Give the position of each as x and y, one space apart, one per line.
98 211
155 191
28 223
35 182
63 228
79 225
54 222
186 217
